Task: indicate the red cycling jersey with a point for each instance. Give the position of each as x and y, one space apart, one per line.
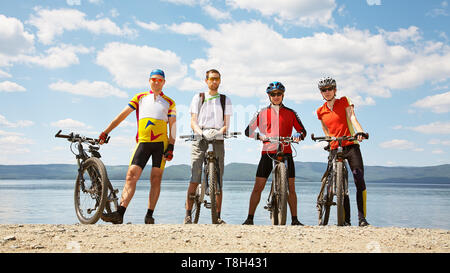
273 123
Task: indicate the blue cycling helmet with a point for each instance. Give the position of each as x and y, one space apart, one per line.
275 86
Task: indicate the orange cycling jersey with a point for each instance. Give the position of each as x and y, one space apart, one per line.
336 120
152 116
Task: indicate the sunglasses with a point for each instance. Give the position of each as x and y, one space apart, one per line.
214 79
327 89
276 94
156 80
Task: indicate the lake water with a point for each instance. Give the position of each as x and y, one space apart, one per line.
388 204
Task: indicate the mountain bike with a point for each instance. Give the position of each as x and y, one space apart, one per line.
334 181
211 184
94 192
279 191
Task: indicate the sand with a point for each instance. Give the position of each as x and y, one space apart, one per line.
204 238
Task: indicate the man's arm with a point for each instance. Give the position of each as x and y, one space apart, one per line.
194 124
172 129
226 123
117 120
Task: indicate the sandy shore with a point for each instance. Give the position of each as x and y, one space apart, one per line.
105 238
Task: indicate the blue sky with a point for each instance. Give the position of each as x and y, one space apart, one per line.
75 64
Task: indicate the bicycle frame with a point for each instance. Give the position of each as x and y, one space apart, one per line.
335 174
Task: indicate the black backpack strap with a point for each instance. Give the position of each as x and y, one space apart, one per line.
223 99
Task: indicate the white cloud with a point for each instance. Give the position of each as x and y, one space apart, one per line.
299 12
373 2
131 64
52 23
149 26
400 144
215 13
56 57
19 124
4 74
70 124
402 35
437 127
366 65
14 40
96 89
439 103
73 2
7 86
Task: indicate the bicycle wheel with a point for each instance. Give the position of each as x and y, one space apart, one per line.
281 195
323 203
112 201
91 191
340 192
212 178
197 203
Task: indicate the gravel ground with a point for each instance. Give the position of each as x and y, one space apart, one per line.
163 238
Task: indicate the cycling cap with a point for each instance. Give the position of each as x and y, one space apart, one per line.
325 82
157 72
275 86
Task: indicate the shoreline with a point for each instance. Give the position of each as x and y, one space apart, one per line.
207 238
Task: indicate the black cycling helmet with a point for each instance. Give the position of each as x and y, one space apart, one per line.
275 86
327 82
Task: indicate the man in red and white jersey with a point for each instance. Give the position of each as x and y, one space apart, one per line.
276 120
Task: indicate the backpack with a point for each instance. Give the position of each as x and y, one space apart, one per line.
222 102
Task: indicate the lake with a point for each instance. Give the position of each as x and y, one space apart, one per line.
419 205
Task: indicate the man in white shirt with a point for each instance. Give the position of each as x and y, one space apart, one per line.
209 110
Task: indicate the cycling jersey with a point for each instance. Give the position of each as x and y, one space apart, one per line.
152 116
273 123
336 120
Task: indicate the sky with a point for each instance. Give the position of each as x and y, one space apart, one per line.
75 64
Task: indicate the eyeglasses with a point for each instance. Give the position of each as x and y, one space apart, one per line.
276 94
214 79
327 89
156 80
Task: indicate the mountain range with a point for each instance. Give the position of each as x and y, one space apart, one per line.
305 171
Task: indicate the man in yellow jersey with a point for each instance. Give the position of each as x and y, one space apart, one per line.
338 119
154 110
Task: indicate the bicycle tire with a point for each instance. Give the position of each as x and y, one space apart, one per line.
197 204
112 202
283 197
340 192
324 201
97 191
212 178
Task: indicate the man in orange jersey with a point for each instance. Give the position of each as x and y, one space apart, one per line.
154 110
338 119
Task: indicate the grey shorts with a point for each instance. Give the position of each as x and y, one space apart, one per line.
199 148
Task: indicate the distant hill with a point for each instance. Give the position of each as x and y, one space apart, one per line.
305 171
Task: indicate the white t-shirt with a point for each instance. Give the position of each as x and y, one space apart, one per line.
211 114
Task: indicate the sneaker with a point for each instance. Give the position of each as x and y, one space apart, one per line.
221 222
296 223
187 220
248 222
113 217
149 220
363 222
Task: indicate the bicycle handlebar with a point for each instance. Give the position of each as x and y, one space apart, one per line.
193 137
348 138
76 138
279 139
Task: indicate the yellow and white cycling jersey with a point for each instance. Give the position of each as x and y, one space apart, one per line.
152 116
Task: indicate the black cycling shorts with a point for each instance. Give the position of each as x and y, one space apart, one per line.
144 150
265 166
